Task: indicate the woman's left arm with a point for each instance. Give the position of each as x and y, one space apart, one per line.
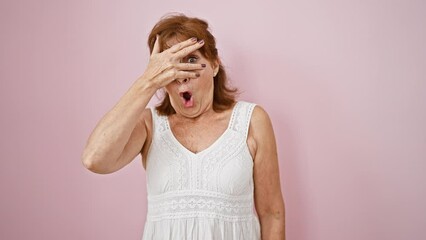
268 198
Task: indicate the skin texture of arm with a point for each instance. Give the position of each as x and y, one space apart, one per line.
121 133
268 198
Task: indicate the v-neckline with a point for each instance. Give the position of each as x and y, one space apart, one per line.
231 119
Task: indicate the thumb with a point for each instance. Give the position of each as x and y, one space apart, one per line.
156 48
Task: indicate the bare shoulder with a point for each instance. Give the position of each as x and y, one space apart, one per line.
260 131
259 113
146 120
260 121
146 117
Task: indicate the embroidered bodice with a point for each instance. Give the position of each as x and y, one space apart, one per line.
204 195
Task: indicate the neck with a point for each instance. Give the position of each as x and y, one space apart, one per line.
206 113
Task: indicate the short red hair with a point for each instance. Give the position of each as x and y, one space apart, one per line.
183 27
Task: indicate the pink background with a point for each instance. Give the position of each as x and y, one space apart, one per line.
343 81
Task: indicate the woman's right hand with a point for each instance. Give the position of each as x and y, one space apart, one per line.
166 66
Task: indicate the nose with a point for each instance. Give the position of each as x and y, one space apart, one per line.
180 81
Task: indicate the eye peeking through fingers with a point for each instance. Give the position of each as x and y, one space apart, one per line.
192 59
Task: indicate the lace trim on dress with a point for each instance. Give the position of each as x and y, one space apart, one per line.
193 203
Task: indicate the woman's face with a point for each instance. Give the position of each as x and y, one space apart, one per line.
193 96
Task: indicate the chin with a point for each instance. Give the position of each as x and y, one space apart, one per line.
191 112
185 111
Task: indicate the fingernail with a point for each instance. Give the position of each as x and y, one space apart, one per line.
194 39
197 74
203 65
201 42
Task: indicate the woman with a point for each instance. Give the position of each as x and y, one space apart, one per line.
209 159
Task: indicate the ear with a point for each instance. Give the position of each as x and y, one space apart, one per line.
216 64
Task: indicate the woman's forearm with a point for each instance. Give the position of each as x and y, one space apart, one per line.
273 226
113 131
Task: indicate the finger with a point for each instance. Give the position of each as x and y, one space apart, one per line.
178 46
186 74
177 75
156 48
189 49
190 66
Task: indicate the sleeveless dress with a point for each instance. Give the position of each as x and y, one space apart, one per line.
206 195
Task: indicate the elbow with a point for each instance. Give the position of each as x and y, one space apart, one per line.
87 161
93 165
89 164
276 215
274 211
96 167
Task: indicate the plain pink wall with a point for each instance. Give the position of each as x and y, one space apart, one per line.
343 81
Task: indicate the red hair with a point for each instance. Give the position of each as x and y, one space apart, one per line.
183 27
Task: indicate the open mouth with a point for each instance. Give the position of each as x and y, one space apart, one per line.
186 96
187 99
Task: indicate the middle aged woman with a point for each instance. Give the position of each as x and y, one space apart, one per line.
210 159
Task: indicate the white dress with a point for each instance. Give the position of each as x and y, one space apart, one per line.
206 195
